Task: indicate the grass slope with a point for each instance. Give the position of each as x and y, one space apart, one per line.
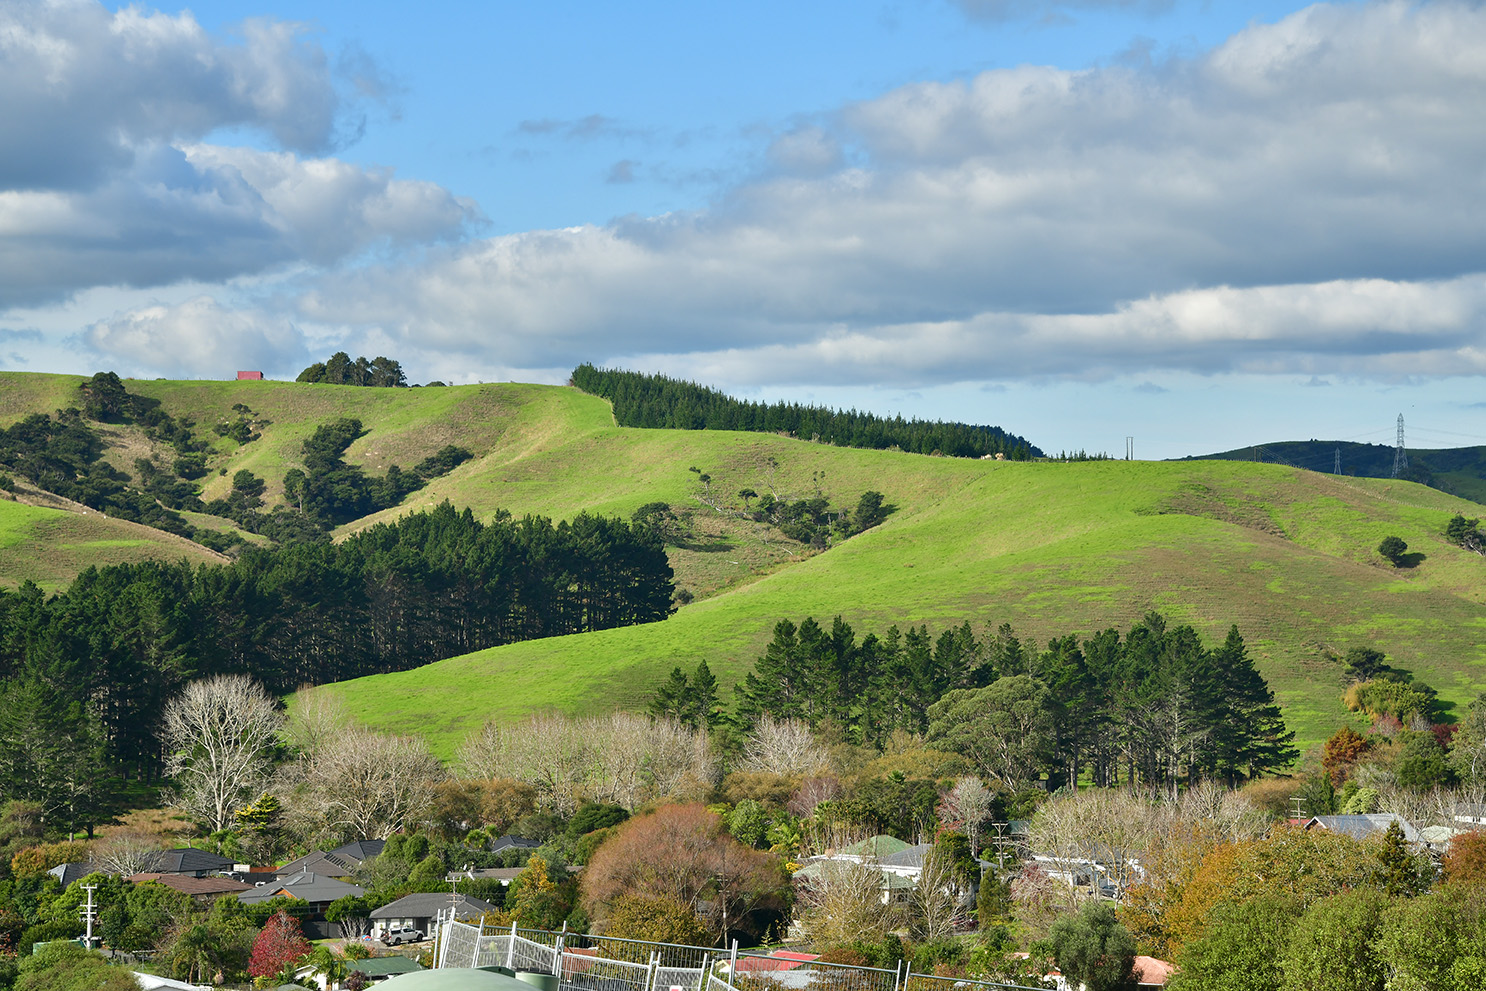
1287 555
50 546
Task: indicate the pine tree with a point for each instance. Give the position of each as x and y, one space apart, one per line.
704 708
673 699
778 686
1251 738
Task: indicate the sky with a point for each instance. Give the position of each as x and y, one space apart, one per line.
1199 225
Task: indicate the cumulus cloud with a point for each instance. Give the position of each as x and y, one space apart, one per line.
210 213
103 181
1307 194
84 86
197 337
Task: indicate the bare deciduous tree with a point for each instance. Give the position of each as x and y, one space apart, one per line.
966 806
621 758
127 852
840 901
316 718
938 908
783 746
373 784
218 733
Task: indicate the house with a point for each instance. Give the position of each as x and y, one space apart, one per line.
342 862
250 376
154 982
379 969
67 873
316 891
894 888
505 875
1471 813
190 861
781 969
509 842
1362 826
203 890
318 862
422 910
900 862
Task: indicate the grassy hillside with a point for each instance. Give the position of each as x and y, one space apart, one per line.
1459 471
50 546
1288 555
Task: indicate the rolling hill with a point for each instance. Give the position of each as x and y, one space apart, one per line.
1459 471
1288 555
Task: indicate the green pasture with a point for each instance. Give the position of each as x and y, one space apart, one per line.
50 546
1288 555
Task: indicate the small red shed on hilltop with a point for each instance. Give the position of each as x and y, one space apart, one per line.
250 376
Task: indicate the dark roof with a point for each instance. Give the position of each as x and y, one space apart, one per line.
359 850
201 886
427 904
319 862
306 887
508 842
188 860
67 873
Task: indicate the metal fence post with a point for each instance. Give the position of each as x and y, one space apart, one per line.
706 970
511 949
733 966
654 971
898 975
557 953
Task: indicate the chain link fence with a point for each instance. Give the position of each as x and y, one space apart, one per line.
603 963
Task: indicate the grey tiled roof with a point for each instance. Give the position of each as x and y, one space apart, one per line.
306 887
1363 826
427 904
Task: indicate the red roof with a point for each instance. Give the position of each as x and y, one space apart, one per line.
778 960
1151 972
194 885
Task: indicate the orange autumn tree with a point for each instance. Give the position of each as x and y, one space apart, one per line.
1167 913
1465 863
1342 752
681 853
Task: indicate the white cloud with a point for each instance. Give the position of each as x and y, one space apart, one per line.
104 182
85 86
198 337
210 213
1309 190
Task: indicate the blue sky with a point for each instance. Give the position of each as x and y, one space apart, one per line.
1200 224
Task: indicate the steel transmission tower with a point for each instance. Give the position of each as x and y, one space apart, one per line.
1400 456
1338 469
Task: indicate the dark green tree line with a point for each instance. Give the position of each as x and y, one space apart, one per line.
1155 705
104 655
341 369
657 401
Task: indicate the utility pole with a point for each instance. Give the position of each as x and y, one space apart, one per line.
89 915
1400 456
